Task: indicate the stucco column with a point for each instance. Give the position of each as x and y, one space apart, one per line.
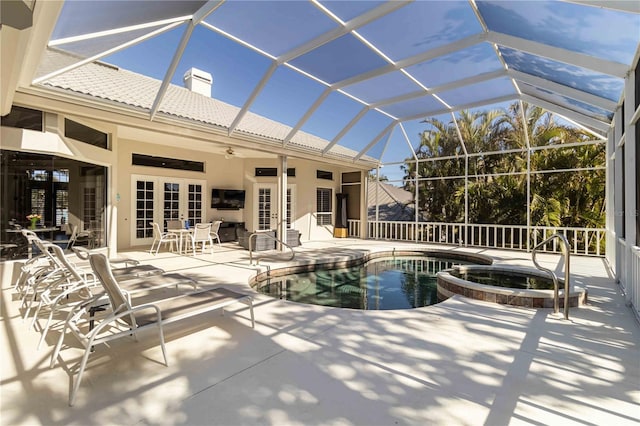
111 210
364 204
282 201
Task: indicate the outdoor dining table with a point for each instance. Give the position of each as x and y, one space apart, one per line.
182 233
48 230
37 229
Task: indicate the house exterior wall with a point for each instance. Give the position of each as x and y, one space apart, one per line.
219 172
235 172
304 185
52 142
232 173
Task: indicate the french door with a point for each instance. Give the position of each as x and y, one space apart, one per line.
266 206
159 199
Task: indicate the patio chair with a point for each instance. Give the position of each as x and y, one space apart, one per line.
201 234
139 277
72 286
75 236
82 253
127 318
79 284
35 266
94 233
215 228
160 238
39 279
126 269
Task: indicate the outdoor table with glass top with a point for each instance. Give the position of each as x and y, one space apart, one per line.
37 229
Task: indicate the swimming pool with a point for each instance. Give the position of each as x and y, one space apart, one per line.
399 282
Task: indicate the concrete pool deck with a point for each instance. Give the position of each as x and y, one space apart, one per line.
459 362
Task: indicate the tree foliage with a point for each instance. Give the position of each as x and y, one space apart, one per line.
497 183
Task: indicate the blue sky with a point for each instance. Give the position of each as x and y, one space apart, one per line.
285 98
281 26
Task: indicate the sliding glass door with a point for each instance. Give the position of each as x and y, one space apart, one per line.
56 191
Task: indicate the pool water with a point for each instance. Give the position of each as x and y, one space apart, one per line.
380 284
505 279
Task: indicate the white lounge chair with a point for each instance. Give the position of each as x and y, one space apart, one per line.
75 283
126 318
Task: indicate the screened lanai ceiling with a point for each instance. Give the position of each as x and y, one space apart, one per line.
361 75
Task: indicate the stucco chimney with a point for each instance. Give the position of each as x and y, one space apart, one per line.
198 81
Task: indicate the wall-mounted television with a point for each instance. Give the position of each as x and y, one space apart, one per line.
229 199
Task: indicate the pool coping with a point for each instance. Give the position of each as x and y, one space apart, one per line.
355 260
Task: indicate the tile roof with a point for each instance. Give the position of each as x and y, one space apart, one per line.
118 85
394 203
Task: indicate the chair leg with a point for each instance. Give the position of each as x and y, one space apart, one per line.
56 351
45 330
35 315
28 311
162 346
83 365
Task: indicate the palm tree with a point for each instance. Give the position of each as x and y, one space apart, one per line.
435 199
497 182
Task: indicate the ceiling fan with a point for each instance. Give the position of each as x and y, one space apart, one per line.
230 152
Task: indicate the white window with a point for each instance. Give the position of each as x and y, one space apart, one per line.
90 211
323 213
144 208
195 206
289 207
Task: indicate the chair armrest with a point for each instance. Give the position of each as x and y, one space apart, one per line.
115 317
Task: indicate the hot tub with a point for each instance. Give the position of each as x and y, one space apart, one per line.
505 284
